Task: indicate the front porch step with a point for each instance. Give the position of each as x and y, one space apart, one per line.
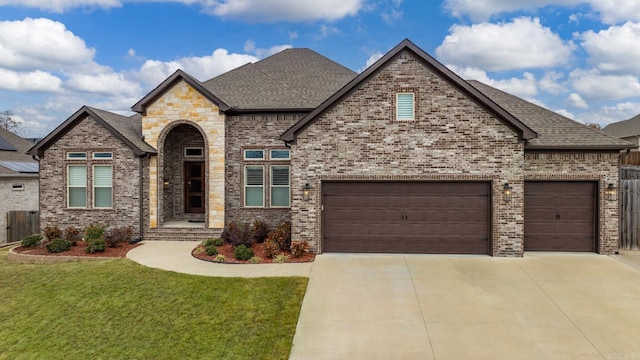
180 234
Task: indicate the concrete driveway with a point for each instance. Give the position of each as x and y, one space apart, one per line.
542 306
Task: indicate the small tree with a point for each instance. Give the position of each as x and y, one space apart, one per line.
8 123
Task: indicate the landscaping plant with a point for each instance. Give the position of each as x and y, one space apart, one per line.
73 235
52 232
238 234
299 248
260 230
58 245
31 240
241 252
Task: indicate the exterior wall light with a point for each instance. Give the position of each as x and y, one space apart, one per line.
306 192
166 183
611 192
507 192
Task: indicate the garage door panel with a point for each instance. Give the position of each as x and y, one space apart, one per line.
560 216
403 217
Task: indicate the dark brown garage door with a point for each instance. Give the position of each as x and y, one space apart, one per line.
560 216
406 217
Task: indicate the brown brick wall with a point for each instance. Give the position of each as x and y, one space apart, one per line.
452 138
260 131
89 136
576 166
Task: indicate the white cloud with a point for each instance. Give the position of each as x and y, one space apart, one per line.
284 10
60 6
615 49
616 11
498 47
483 10
551 83
29 81
108 83
42 44
577 101
327 30
592 85
611 113
525 87
565 113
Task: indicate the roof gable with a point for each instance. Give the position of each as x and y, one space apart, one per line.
178 75
13 149
127 129
625 128
554 130
437 68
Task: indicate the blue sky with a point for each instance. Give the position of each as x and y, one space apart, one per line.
579 58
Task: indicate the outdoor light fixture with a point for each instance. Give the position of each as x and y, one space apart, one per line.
306 192
507 191
611 192
166 183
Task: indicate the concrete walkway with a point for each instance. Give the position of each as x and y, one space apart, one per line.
542 306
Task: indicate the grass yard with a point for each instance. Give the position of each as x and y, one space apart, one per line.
117 309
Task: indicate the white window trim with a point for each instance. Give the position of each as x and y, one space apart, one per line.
279 159
69 187
93 187
413 105
272 186
194 148
76 158
244 155
17 187
244 200
110 157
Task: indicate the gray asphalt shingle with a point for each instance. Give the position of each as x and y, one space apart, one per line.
626 128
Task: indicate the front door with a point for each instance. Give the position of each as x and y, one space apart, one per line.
194 187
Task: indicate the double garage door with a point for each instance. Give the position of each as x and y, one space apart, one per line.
451 217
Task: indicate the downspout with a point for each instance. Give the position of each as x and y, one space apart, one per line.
141 193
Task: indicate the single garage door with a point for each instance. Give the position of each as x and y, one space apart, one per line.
406 217
560 216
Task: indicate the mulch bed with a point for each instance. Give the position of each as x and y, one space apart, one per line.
258 251
78 250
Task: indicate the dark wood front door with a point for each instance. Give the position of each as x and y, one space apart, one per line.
560 216
406 217
194 187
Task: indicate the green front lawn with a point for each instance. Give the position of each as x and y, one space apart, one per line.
117 309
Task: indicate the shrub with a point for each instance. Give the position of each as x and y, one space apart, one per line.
93 232
58 245
95 245
220 258
213 242
31 240
282 235
299 248
115 236
198 250
210 250
72 234
255 260
280 258
242 253
52 232
238 234
271 247
260 230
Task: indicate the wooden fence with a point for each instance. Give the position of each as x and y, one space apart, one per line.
630 207
21 224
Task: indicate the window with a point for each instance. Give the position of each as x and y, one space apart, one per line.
103 155
280 186
17 187
279 155
77 186
76 155
405 108
254 186
193 152
254 154
102 186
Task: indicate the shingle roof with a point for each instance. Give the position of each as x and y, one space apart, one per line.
19 154
554 130
625 128
126 128
293 79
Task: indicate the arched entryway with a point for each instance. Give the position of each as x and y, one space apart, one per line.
184 175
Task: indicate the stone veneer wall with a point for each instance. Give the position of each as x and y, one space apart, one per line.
452 138
576 166
16 200
256 131
182 104
89 136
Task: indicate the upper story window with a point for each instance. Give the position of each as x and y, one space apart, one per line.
405 106
254 154
279 154
76 155
102 155
193 152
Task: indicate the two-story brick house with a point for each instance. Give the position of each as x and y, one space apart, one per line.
403 157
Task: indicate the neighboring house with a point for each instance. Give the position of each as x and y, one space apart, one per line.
628 130
405 157
18 179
